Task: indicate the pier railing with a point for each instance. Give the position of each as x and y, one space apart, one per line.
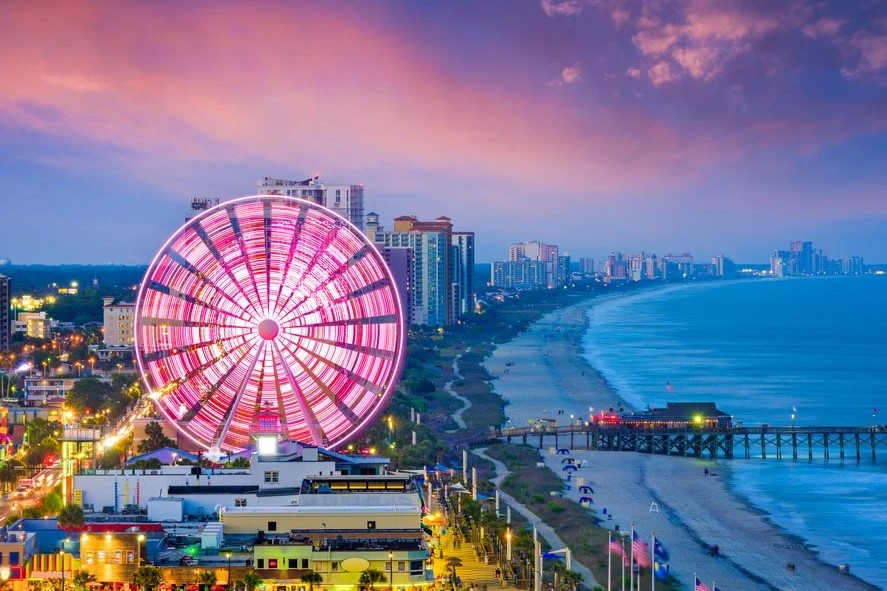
762 441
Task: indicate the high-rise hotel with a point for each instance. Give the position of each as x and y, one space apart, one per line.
432 264
5 318
345 200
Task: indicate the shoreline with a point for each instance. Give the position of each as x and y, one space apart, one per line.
547 363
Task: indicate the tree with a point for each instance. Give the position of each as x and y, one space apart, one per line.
207 579
82 579
89 394
155 438
147 577
370 577
312 578
251 580
71 517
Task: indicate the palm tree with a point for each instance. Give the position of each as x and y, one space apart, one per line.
571 579
207 579
71 516
312 578
82 579
147 577
251 580
370 577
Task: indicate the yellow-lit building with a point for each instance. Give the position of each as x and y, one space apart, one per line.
119 323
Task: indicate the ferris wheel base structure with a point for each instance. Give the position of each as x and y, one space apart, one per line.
269 315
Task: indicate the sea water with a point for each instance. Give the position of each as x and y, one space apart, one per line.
765 350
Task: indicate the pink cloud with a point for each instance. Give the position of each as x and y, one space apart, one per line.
662 73
633 73
571 74
868 52
700 62
554 8
222 83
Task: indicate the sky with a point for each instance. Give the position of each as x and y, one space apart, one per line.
710 127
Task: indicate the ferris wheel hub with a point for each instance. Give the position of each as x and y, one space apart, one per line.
268 329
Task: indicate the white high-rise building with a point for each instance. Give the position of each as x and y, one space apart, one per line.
463 273
5 317
346 200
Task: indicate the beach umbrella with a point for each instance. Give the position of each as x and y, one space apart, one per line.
586 490
567 461
218 588
569 467
585 500
563 451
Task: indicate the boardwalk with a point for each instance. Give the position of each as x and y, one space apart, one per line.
743 442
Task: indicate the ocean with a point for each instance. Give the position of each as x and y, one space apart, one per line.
764 350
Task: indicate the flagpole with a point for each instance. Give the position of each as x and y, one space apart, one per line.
621 537
631 561
653 561
609 559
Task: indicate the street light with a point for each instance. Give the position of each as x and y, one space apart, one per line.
62 555
229 569
391 569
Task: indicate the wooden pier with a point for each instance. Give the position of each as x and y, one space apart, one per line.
743 442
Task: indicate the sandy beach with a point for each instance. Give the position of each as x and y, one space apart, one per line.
542 373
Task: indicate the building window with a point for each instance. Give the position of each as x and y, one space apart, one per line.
272 526
260 563
272 563
13 558
334 566
272 477
240 502
304 563
371 525
293 563
401 566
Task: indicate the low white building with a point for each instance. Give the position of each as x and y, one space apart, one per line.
270 480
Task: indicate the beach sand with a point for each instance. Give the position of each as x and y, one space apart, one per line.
543 372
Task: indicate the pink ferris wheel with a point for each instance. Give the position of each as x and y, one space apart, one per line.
269 304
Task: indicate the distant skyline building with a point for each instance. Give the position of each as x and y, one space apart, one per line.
5 313
462 258
535 250
345 200
803 259
198 206
523 274
119 323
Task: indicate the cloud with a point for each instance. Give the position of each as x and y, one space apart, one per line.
571 74
633 73
662 73
869 54
555 8
700 62
824 27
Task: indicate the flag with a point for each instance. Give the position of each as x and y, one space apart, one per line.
660 569
616 547
641 551
659 550
700 586
669 387
794 409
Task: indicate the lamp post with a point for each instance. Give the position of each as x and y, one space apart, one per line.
508 545
391 569
229 569
62 556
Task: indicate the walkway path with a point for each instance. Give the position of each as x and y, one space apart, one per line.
543 528
474 570
466 404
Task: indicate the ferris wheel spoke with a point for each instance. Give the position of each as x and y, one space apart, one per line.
201 402
291 255
354 377
310 419
222 432
174 293
374 351
281 403
340 404
180 260
238 235
376 285
309 268
197 370
210 245
164 353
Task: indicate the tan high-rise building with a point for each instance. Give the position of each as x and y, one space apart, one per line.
119 321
